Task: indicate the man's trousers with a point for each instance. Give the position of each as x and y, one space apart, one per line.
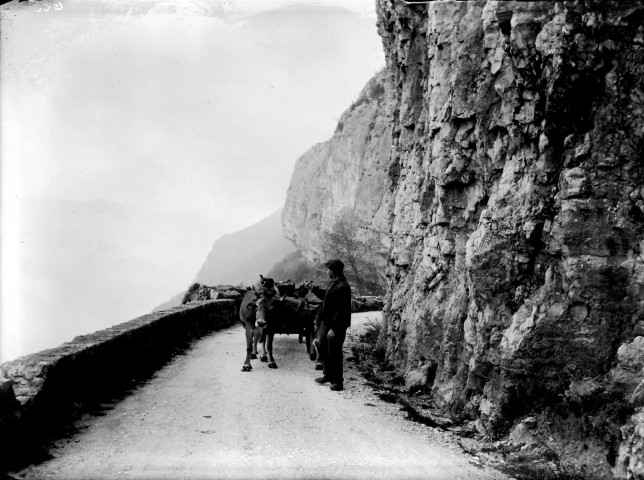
330 353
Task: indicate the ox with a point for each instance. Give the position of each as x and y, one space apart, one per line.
253 314
295 311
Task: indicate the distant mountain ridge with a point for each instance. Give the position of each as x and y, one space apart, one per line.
240 257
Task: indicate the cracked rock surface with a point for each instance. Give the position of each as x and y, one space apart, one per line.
518 209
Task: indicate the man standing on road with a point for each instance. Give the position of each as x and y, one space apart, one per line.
332 322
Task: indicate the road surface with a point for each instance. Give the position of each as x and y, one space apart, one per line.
200 417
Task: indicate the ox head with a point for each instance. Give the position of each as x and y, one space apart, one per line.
263 296
262 305
266 282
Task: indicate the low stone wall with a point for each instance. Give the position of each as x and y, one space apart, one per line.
367 303
40 391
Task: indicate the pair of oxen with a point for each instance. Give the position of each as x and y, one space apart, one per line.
261 317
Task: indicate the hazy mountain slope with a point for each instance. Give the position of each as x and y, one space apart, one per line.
242 256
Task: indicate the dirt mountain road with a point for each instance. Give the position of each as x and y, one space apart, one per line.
200 417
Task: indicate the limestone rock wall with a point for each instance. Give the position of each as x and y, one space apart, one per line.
517 168
346 175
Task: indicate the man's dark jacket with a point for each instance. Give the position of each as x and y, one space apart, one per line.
335 312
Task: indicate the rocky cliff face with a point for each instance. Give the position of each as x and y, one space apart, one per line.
347 175
517 175
506 163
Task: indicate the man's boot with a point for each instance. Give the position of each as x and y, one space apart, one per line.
337 386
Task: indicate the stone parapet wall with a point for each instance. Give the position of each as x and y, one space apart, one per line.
39 391
9 406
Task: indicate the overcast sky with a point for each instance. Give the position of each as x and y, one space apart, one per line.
191 108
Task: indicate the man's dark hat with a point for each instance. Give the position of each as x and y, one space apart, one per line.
335 266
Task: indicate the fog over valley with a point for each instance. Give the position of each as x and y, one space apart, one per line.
135 134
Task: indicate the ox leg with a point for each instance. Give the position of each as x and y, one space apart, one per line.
256 334
269 341
264 357
249 347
